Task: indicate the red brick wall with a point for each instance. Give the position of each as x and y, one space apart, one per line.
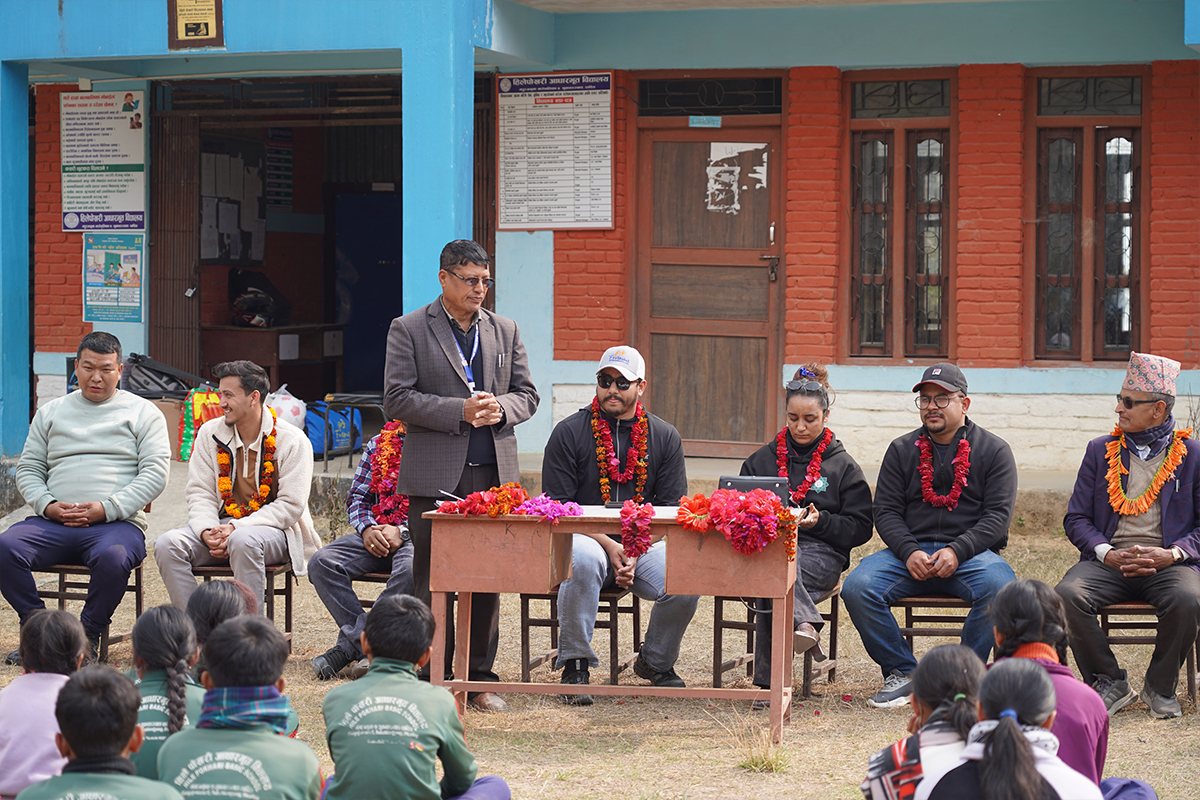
591 268
58 257
812 234
1174 211
991 191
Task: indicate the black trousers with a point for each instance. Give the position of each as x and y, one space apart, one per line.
485 608
1175 594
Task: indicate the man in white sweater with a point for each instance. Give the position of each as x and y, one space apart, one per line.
247 492
92 461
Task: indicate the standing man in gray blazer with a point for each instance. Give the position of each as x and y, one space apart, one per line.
458 377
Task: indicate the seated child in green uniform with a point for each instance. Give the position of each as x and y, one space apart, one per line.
97 719
213 603
164 648
234 750
387 730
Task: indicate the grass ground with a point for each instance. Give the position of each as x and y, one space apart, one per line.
640 747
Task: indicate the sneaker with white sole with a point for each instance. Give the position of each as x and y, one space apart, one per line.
1115 694
895 692
1161 707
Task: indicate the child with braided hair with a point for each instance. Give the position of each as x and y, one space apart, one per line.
164 649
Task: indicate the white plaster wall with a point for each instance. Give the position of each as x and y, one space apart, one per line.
48 387
1045 431
570 397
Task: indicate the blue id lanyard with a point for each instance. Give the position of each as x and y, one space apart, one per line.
466 362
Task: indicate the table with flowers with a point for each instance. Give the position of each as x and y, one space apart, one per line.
504 542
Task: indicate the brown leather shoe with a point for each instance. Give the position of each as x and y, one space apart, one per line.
804 638
487 701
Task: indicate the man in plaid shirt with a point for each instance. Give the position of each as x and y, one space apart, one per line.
373 547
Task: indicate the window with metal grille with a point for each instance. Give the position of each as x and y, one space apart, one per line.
883 99
683 97
899 254
1088 217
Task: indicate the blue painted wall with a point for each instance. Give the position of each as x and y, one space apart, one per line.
861 37
14 257
1191 23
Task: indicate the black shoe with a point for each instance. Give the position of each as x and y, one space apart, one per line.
575 673
93 653
329 665
656 678
13 659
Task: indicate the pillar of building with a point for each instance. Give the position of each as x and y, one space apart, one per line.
14 257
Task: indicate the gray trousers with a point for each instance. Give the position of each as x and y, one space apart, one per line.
818 567
579 596
334 568
250 550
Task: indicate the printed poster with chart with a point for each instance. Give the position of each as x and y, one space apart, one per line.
112 277
103 145
554 152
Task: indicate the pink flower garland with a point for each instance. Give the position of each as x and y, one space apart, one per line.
635 527
548 509
749 521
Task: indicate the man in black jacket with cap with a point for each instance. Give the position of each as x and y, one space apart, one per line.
943 503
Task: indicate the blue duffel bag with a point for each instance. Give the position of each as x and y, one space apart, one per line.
345 429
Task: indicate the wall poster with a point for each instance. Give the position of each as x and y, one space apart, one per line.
113 269
103 148
554 152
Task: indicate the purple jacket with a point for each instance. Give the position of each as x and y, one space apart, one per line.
1090 520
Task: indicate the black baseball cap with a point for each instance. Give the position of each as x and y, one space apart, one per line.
945 375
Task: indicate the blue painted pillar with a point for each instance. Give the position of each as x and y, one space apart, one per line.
1191 23
14 257
438 102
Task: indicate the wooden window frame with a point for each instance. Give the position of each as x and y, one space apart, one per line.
898 327
1090 261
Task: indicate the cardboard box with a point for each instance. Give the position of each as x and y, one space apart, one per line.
171 409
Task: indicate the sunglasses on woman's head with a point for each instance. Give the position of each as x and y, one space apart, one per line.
808 387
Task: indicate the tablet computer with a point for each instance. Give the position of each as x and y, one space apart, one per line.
745 483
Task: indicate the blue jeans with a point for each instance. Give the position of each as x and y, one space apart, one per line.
881 579
579 596
332 571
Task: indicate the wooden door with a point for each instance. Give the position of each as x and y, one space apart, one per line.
707 279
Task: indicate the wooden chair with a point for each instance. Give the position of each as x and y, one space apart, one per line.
608 615
1131 616
273 571
812 667
929 609
71 587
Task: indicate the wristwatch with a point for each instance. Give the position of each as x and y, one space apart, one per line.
1178 554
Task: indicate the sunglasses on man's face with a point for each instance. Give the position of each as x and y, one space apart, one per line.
1129 402
605 381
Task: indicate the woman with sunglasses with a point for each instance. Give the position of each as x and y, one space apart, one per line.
833 509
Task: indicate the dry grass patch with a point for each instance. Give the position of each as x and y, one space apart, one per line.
659 749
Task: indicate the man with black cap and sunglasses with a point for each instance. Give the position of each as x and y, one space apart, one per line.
1135 517
943 503
610 452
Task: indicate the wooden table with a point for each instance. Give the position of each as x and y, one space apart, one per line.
520 554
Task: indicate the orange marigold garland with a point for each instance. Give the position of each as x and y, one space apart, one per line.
494 502
390 508
693 513
266 476
1121 502
606 454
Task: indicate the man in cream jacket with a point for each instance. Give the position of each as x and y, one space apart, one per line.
247 492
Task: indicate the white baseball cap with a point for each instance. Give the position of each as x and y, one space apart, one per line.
625 360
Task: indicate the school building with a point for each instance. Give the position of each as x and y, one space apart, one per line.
1011 185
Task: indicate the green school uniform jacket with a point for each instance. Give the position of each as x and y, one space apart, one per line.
152 716
249 764
386 732
99 786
